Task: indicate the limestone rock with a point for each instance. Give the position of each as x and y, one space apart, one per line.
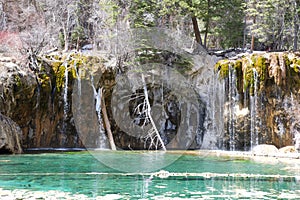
10 134
287 149
265 150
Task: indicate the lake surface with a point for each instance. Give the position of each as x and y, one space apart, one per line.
186 176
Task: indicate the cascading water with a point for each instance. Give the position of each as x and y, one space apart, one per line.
254 141
102 142
216 102
78 78
233 99
212 92
78 75
65 103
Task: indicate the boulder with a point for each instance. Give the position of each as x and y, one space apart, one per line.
265 150
10 134
287 149
297 141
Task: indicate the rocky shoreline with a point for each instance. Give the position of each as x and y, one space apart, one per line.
267 154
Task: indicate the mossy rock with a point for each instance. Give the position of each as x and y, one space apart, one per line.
72 62
222 67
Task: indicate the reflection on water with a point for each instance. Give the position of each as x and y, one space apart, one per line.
188 177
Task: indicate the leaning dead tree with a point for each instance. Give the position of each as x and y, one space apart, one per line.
101 108
107 123
153 135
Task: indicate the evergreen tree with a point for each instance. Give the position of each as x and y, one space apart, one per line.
274 22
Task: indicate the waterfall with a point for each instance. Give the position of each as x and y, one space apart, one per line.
78 78
102 142
233 99
65 104
78 93
253 112
212 92
217 101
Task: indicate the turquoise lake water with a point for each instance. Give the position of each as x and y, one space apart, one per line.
187 176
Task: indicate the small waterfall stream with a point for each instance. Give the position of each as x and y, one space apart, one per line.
233 99
65 103
78 75
253 110
102 142
215 114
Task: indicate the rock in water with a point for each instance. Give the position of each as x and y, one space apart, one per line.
287 149
10 134
265 150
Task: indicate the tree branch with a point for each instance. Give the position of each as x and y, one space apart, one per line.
107 124
150 117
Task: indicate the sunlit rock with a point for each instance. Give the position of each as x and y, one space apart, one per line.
10 136
297 141
287 149
265 150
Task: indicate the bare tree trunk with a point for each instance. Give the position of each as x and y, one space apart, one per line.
149 114
107 125
206 33
66 42
253 38
245 32
252 42
207 24
196 30
296 26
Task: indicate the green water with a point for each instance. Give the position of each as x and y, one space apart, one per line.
188 177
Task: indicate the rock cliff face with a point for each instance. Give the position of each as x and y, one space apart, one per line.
10 136
31 100
58 105
262 99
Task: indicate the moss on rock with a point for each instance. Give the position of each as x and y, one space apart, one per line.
270 67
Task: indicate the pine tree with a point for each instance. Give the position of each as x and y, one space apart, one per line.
274 22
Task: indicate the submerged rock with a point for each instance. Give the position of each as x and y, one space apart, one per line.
10 134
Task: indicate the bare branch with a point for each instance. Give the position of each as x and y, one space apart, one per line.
154 134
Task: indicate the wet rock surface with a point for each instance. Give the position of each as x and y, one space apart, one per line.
10 136
267 85
268 112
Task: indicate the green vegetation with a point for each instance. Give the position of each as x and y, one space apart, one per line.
215 24
182 63
246 66
58 64
222 67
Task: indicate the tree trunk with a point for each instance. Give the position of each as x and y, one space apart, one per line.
253 38
196 30
206 33
107 124
252 42
66 42
245 33
149 115
296 26
207 24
